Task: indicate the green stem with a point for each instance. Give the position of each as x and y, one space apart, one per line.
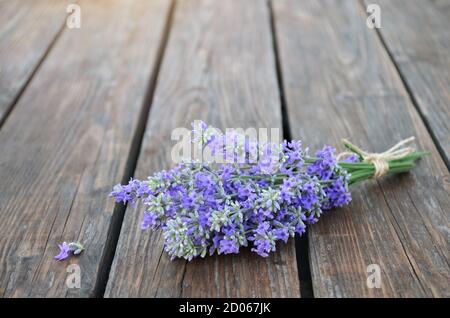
360 171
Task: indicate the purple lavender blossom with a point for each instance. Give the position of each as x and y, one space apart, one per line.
212 208
351 159
65 249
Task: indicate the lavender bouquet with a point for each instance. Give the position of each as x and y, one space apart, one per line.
261 193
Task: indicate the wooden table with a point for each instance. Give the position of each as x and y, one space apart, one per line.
82 109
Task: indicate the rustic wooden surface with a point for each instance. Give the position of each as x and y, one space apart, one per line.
68 139
417 37
26 34
229 81
401 222
83 109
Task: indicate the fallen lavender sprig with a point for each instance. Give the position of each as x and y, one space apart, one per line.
66 249
210 207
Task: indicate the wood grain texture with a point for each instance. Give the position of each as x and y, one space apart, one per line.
219 66
417 35
67 142
339 82
27 29
442 5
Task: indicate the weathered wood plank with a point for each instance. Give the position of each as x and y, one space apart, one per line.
219 66
442 5
417 36
67 141
340 82
27 29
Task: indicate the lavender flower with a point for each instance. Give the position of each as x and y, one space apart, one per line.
219 208
65 250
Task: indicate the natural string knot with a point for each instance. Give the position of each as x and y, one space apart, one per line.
380 161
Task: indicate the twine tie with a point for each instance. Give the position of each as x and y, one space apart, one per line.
381 160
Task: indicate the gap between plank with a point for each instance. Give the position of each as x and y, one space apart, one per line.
301 242
131 163
13 103
410 93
